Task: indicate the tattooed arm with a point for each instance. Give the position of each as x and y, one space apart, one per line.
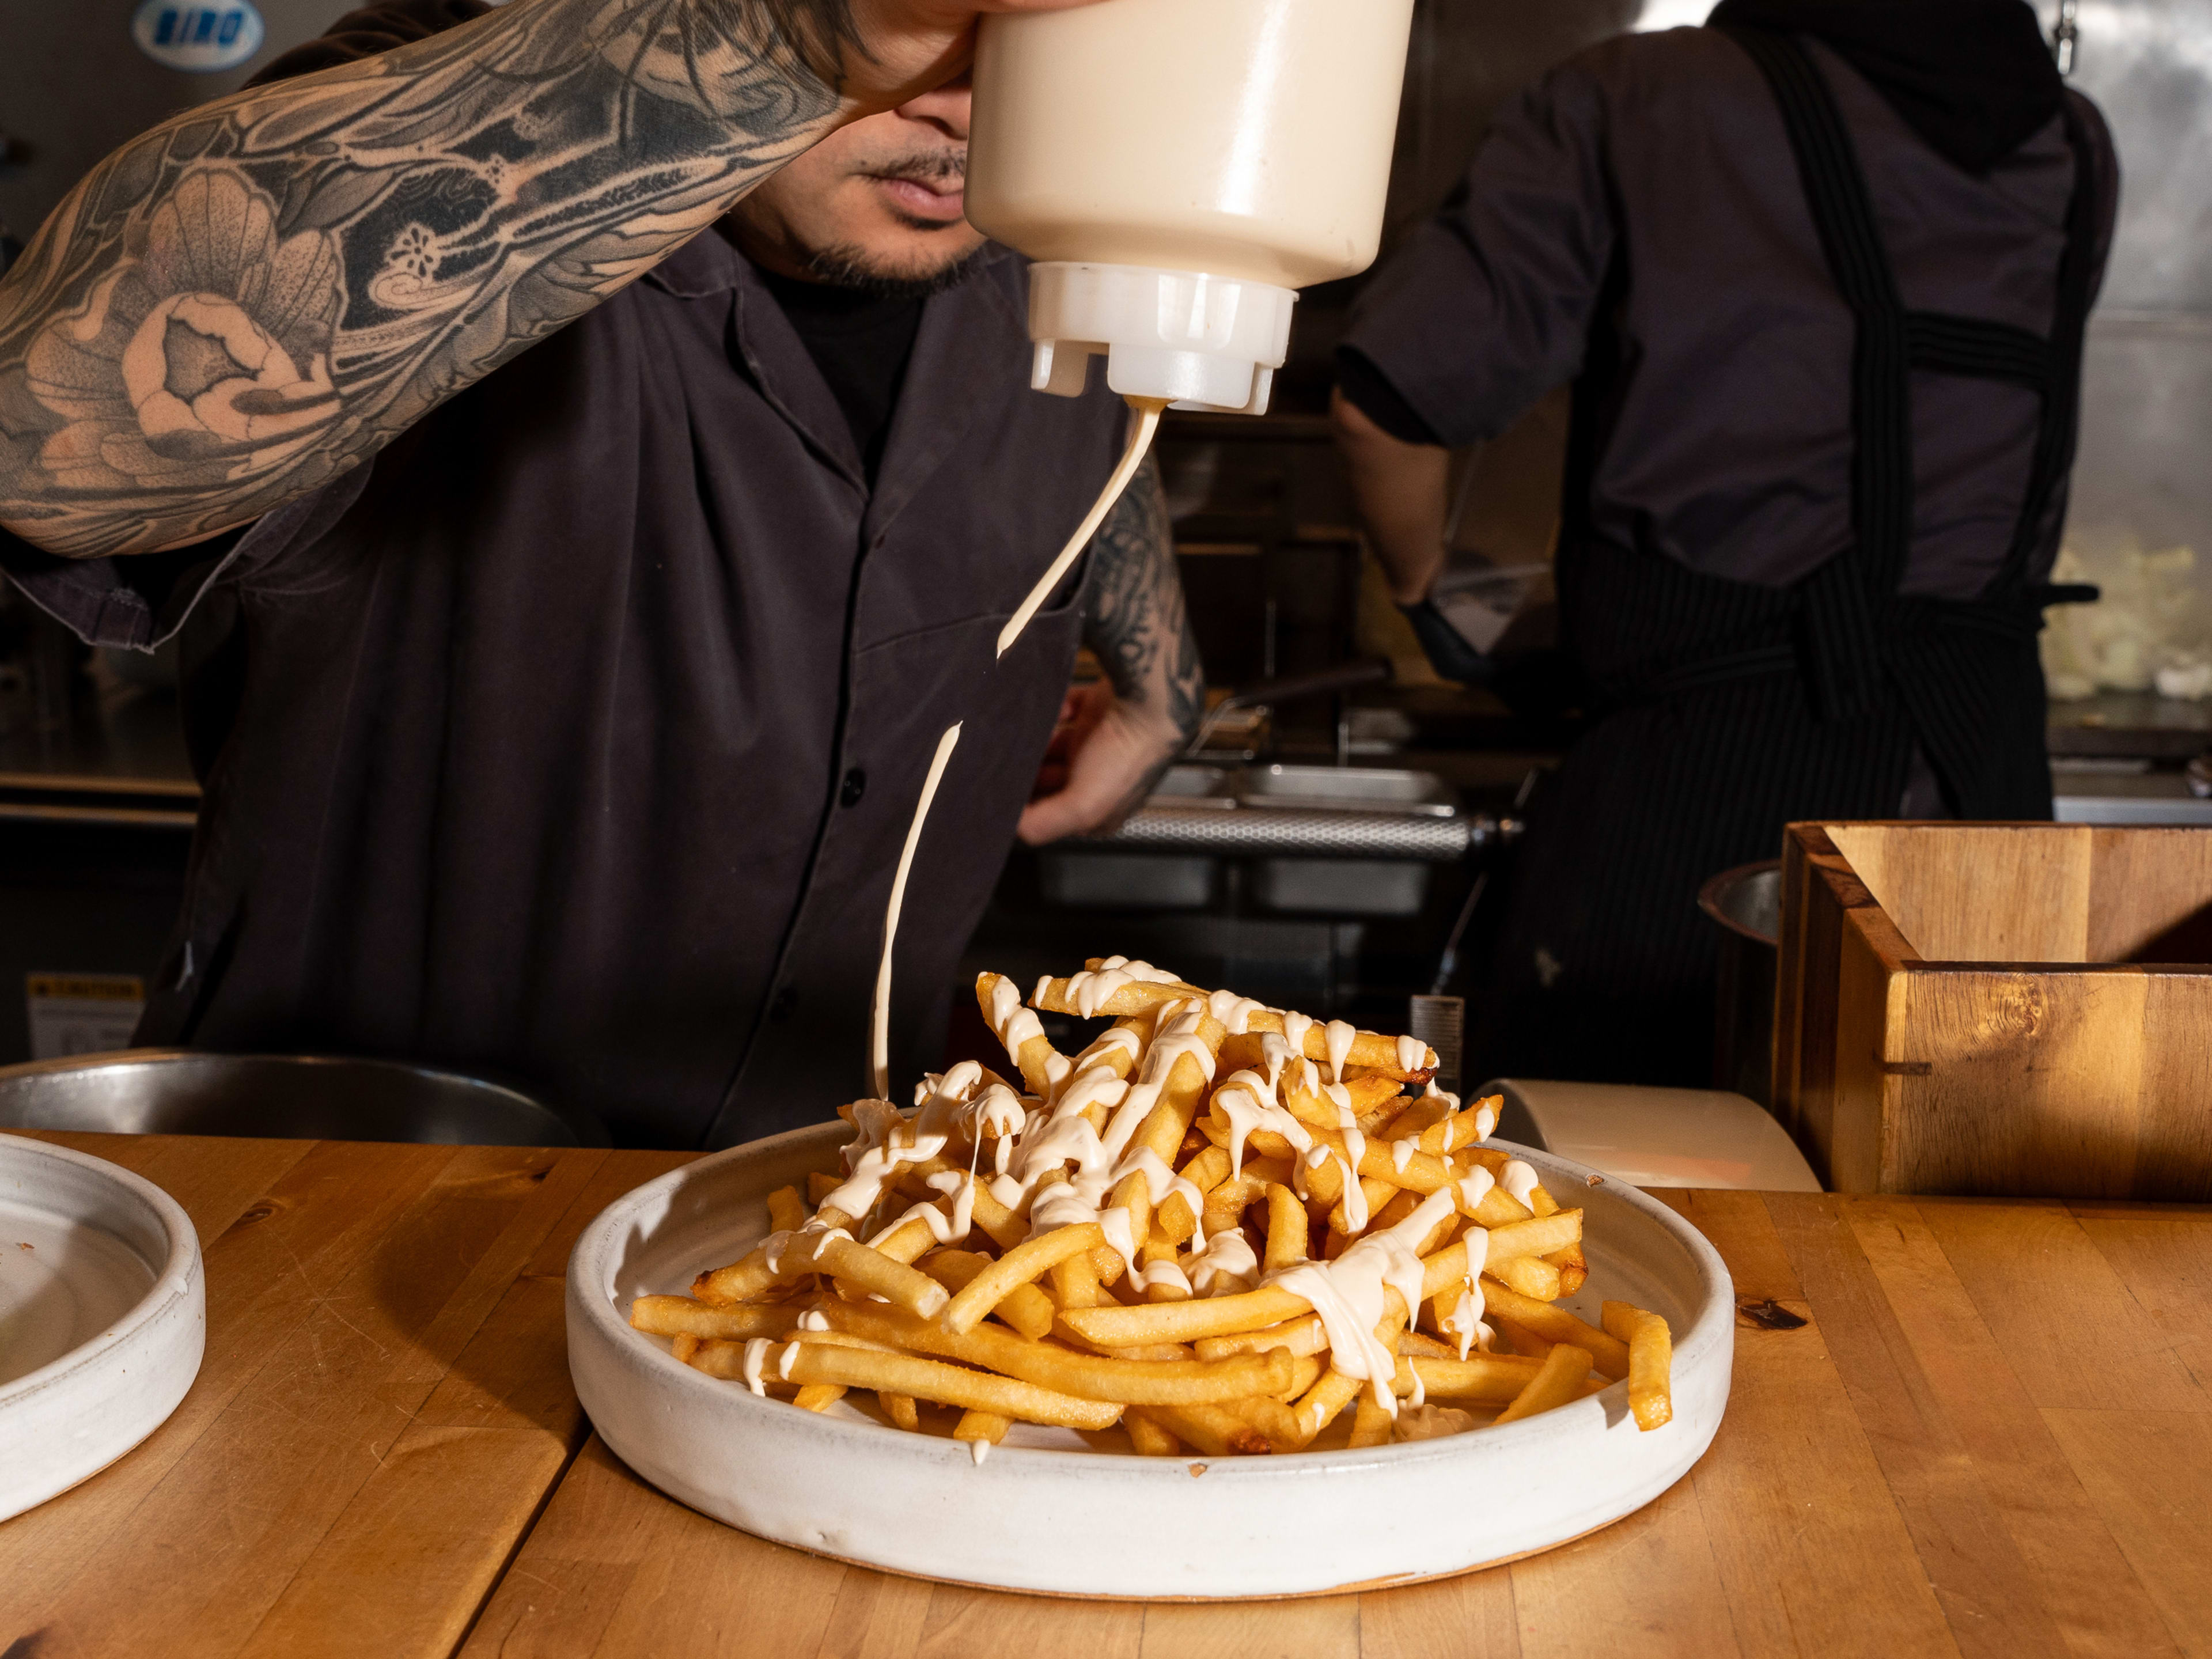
1117 737
257 294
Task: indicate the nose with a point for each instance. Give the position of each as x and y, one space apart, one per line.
946 107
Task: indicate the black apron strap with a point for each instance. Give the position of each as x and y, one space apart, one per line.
2061 391
1842 644
1851 604
1968 346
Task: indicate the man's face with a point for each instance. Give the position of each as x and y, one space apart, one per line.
876 205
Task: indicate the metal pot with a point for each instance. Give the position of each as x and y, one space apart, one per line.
1746 904
290 1096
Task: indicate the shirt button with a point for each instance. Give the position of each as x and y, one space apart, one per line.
856 785
783 1005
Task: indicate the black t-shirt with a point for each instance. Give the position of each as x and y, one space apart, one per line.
861 343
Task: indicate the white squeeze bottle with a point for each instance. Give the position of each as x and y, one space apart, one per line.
1178 169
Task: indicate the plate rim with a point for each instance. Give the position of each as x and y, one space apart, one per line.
172 1280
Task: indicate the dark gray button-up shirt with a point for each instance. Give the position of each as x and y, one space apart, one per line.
529 747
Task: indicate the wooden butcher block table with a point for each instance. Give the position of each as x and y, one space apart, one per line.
1972 1426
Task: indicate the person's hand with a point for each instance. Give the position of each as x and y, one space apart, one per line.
1449 652
908 46
1103 760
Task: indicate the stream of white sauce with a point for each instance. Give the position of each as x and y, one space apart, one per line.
879 1049
1147 412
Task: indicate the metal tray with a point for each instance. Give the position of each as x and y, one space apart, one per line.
1347 789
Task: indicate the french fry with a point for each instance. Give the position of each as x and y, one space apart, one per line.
1000 1000
1413 1344
1207 1169
1321 1405
1286 1228
1368 1049
1025 1308
679 1316
1531 1275
1395 1209
1574 1270
1185 1321
924 1379
1423 1172
1375 1196
894 1281
1024 1264
1485 1379
1004 1228
684 1345
988 1427
1362 1096
818 1396
1524 1341
1557 1380
1138 997
899 1409
1148 1436
1212 1430
1300 1336
1227 1201
1555 1324
1651 1362
1159 1250
1178 1381
751 1276
1075 1282
1370 1424
910 1238
1252 1310
787 1210
1535 1236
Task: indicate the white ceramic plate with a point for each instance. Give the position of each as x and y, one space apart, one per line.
1049 1513
103 1317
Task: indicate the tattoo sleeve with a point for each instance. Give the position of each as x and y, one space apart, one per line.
1135 619
251 298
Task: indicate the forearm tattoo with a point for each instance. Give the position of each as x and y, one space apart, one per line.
1135 619
249 298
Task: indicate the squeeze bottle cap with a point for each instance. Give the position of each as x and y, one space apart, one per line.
1194 340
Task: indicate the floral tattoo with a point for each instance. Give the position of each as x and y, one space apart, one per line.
1135 618
252 297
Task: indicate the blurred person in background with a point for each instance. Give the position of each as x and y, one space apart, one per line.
1818 272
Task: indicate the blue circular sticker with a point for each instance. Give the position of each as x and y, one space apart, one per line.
198 34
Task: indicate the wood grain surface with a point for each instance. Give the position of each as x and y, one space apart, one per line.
1958 1426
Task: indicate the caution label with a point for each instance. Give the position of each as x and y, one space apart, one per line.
82 1013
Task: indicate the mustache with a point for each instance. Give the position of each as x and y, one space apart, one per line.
940 169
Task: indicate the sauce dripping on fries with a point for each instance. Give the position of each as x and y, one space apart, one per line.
1097 1253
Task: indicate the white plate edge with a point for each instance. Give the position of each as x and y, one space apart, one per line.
172 1280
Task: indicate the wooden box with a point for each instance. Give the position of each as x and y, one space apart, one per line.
2019 1008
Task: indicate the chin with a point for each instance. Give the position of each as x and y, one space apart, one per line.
904 265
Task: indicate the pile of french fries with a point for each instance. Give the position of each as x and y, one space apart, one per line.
1220 1229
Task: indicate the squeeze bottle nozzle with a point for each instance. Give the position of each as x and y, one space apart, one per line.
1178 169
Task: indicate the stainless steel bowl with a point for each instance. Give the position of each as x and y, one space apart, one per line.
286 1096
1746 904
